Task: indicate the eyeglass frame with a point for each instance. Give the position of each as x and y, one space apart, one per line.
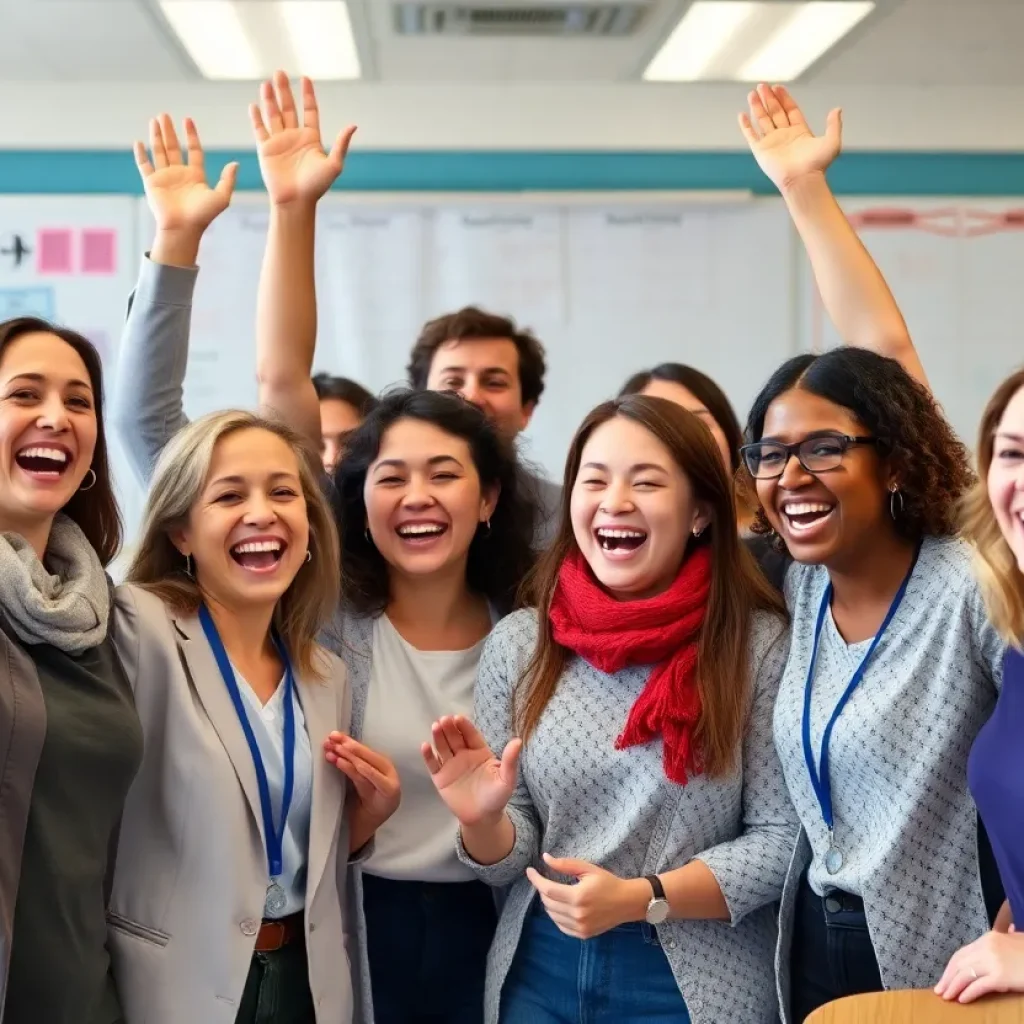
793 451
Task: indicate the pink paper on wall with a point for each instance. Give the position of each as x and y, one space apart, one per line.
54 251
99 251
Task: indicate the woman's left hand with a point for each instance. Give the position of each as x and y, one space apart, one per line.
994 963
375 784
597 902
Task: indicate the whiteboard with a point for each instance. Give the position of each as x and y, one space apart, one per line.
956 268
73 260
608 289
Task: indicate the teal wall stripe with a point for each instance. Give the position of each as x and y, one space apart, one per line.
855 173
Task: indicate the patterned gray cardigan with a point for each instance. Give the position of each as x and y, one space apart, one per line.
578 796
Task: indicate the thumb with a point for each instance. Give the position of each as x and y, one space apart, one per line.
340 148
834 128
226 185
571 866
510 762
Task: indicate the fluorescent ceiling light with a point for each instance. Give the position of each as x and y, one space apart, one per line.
753 40
240 39
321 36
813 29
212 32
697 40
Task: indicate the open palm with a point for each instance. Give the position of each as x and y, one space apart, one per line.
292 158
176 188
782 143
470 779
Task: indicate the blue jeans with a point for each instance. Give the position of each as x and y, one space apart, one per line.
621 977
427 944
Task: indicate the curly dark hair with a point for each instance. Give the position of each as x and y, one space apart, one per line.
932 464
499 558
475 324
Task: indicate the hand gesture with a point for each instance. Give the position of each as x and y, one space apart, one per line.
176 189
471 780
597 902
783 145
292 158
993 963
375 783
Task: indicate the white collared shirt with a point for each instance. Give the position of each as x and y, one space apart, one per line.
267 722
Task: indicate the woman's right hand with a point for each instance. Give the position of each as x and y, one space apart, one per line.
474 784
176 188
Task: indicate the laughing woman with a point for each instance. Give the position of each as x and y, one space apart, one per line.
70 741
227 903
643 692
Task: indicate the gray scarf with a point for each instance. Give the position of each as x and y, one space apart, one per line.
69 609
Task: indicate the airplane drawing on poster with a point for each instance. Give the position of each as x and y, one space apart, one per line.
14 248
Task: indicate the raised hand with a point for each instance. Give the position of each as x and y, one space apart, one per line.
376 787
179 196
783 145
292 158
471 780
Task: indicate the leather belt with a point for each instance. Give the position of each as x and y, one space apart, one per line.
276 934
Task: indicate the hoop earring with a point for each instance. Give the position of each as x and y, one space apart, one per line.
188 567
83 487
894 493
366 534
309 555
487 527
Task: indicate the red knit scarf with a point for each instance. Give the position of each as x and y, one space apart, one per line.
662 631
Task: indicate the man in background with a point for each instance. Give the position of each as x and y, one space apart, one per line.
500 369
343 406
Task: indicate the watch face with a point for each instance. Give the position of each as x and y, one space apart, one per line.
657 911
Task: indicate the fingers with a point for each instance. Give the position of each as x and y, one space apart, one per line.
225 187
430 759
193 145
310 109
156 144
339 151
259 129
773 106
364 790
570 866
555 892
748 130
355 749
271 111
834 128
978 987
171 145
285 100
509 770
793 112
758 114
448 739
142 160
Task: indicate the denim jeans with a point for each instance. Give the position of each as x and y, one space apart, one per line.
621 977
427 944
832 955
277 989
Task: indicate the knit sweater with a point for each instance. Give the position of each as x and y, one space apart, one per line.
577 796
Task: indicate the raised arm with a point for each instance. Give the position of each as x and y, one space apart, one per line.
855 295
146 403
297 172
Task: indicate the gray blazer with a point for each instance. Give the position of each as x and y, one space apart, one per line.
191 874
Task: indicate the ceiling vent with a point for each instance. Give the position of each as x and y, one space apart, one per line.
578 20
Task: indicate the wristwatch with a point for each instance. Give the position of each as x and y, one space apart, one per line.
657 909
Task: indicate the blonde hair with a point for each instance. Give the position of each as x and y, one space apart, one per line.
1001 581
179 478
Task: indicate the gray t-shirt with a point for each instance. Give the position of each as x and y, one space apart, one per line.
904 820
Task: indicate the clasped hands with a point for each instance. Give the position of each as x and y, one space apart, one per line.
477 786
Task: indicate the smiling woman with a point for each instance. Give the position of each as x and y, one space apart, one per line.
893 663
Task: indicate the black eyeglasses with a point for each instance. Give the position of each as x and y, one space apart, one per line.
768 459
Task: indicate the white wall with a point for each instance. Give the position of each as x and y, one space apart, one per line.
472 116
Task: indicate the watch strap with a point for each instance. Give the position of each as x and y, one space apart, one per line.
659 889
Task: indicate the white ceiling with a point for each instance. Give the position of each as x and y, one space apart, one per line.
905 43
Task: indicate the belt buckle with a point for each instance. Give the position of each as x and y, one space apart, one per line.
264 943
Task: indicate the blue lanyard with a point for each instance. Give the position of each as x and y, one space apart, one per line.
820 781
274 836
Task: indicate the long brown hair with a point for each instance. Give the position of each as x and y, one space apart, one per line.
93 509
178 479
737 587
1001 581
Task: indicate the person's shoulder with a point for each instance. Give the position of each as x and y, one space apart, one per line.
517 630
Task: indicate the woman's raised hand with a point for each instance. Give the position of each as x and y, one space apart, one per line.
177 191
782 143
292 158
474 784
